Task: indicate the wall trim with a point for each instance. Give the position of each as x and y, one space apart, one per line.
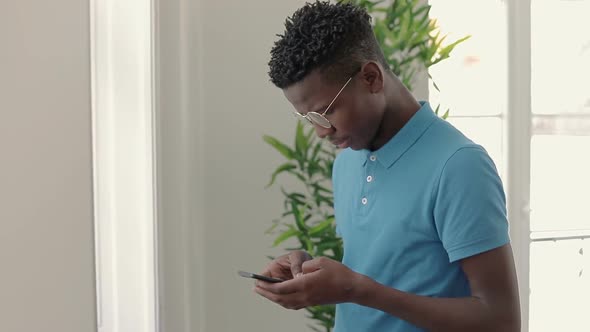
125 208
179 133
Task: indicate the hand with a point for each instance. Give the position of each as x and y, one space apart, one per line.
324 281
288 266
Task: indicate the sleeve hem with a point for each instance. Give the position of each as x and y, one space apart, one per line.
476 247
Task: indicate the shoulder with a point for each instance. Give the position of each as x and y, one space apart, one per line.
471 159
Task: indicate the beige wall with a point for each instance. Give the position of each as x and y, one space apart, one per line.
239 106
46 237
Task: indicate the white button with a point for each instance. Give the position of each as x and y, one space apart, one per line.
369 178
364 201
373 157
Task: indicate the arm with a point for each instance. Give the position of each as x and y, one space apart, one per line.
493 306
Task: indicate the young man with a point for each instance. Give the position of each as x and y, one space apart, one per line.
420 207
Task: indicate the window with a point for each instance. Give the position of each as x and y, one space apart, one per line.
475 65
560 167
552 208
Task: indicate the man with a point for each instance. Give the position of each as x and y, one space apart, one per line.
420 207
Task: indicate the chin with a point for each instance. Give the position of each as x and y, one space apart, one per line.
355 147
358 146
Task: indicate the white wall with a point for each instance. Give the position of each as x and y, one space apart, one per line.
46 228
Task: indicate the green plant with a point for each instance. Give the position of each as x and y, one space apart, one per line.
309 213
411 44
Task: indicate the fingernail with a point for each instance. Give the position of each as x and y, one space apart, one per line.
298 275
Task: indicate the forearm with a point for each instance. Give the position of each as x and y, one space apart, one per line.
436 314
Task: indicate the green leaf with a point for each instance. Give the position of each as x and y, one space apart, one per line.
283 168
298 218
300 141
310 135
328 245
435 86
317 229
308 244
316 151
298 175
284 236
445 52
280 146
319 188
271 229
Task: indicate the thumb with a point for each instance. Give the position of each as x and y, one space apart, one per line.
297 258
296 269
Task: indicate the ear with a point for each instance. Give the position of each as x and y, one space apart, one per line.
372 76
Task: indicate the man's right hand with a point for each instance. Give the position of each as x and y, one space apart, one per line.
287 266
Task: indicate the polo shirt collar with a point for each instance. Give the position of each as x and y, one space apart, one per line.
389 153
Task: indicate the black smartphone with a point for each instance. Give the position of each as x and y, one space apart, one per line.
258 276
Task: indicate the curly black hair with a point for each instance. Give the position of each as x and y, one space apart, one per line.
334 38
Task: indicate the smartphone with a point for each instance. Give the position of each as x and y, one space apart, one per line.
258 276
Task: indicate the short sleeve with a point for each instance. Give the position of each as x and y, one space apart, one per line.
470 205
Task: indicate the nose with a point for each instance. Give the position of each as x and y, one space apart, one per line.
323 132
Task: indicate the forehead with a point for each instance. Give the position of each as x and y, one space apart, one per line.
311 93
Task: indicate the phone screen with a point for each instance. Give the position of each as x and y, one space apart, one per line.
258 276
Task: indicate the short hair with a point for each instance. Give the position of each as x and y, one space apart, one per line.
336 38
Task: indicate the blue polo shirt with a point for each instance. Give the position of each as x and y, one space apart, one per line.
410 211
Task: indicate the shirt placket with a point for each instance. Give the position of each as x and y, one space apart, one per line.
366 195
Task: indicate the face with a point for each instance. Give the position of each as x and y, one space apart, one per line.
355 115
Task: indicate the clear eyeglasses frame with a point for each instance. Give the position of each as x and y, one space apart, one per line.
320 118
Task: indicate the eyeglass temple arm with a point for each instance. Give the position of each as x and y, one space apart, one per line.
338 94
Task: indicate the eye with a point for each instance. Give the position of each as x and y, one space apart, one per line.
331 110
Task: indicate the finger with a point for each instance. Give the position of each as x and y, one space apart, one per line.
266 272
277 268
267 294
286 287
289 301
313 265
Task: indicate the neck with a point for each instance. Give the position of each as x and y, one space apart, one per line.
401 106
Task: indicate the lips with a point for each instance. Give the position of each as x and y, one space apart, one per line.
337 141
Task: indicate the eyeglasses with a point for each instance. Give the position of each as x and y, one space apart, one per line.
319 118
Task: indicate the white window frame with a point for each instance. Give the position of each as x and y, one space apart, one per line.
520 120
518 144
121 51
